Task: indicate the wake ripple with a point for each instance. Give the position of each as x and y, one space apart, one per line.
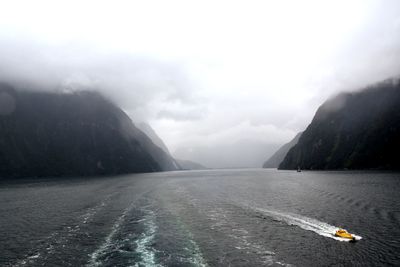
58 240
108 243
306 223
118 242
147 253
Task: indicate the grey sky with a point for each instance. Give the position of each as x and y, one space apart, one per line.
211 77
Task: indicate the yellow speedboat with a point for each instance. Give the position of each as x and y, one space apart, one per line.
344 234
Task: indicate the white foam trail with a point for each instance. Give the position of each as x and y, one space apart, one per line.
94 257
196 258
310 224
91 212
144 242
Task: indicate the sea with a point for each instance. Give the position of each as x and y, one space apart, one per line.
242 217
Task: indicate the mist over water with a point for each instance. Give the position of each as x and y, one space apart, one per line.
202 218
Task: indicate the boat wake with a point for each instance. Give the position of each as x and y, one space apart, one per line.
306 223
144 243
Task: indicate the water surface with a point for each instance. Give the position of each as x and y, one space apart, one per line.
249 217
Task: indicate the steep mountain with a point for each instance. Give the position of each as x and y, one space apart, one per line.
359 130
278 156
149 131
82 133
190 165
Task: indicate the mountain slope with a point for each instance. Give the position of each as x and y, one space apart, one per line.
48 134
149 131
278 156
358 130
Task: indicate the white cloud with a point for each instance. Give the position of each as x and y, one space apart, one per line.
204 72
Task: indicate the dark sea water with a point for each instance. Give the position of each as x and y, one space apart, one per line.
249 217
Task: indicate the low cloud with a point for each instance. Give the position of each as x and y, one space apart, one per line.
213 79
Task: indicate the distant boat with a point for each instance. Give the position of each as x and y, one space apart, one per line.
298 169
344 234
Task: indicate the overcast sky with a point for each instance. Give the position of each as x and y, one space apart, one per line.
211 77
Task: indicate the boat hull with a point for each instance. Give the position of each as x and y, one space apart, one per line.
346 236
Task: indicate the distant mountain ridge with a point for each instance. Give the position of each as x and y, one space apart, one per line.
359 130
243 153
179 163
190 165
67 134
278 156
